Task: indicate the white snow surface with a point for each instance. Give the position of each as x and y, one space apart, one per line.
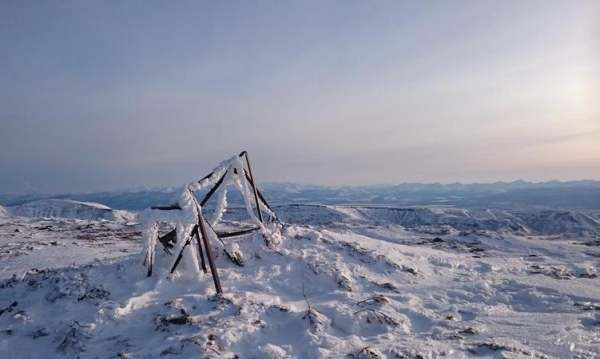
572 223
67 208
343 286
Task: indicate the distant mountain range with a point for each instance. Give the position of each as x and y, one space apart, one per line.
583 194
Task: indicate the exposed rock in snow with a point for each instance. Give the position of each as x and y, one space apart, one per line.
66 208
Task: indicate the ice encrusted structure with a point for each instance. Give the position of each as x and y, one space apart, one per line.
231 172
234 172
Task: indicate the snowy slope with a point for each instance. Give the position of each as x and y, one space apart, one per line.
3 212
343 287
66 208
545 222
427 219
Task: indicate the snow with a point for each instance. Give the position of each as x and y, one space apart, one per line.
523 222
66 208
227 174
27 243
3 212
344 282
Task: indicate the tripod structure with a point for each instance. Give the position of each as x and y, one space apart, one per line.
235 171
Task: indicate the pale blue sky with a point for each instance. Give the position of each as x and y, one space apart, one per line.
113 94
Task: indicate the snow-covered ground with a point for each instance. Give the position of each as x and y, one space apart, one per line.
66 208
345 282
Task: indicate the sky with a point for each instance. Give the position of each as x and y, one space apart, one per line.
117 94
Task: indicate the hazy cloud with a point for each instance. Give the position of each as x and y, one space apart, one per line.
111 94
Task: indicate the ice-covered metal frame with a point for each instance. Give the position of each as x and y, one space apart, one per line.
236 171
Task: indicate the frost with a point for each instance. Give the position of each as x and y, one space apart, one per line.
151 238
374 289
191 226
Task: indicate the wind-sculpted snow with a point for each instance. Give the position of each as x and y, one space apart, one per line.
341 286
65 208
54 242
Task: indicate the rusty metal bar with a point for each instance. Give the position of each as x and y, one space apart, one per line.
211 262
176 206
238 233
261 197
176 263
205 177
167 239
200 252
260 217
167 208
190 237
213 189
201 232
187 242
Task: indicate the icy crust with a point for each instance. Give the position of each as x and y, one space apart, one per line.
361 292
66 208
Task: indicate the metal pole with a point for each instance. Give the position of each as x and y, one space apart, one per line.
176 263
211 262
260 217
212 190
200 252
238 233
201 232
262 199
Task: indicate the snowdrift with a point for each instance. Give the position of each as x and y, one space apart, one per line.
66 208
321 293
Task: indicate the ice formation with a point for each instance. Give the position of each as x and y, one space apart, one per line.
191 226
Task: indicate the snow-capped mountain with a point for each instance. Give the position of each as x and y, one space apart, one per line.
504 195
66 208
537 222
